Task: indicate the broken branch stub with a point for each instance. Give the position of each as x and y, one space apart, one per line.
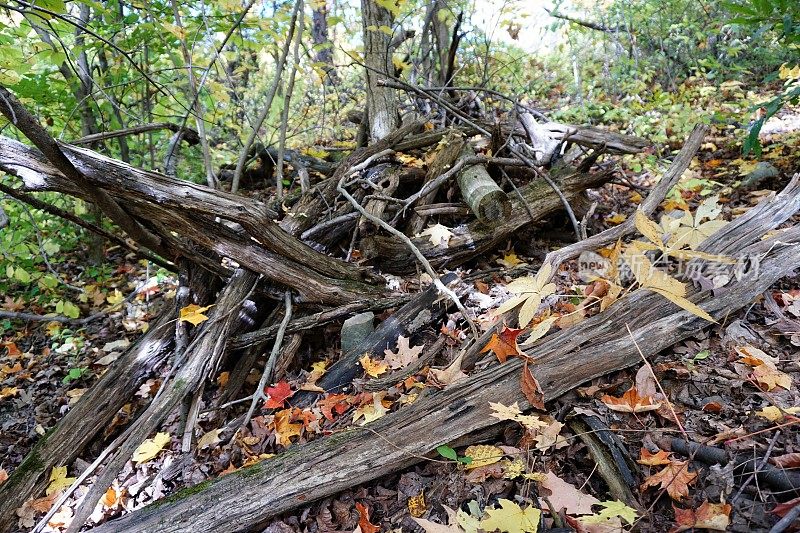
483 196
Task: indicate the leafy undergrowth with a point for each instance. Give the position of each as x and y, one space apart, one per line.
733 385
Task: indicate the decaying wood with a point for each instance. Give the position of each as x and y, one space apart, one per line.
86 419
564 360
485 198
192 210
473 239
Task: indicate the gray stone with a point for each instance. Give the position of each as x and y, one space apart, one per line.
762 171
355 329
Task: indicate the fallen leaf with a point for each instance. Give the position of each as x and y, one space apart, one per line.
511 518
565 496
675 478
58 481
150 448
3 475
482 455
334 403
371 411
530 290
371 367
538 331
774 414
511 260
438 235
405 354
284 428
630 402
277 395
416 505
452 374
210 438
782 508
787 460
659 458
504 344
363 519
513 412
531 389
712 516
611 509
193 314
769 378
550 437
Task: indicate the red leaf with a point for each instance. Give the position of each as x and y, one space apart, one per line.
363 520
504 344
277 395
334 403
783 508
531 389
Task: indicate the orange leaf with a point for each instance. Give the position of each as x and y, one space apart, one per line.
630 402
13 351
363 520
711 516
531 389
284 429
675 477
334 403
653 459
504 344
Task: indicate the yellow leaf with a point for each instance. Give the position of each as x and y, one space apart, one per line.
649 229
511 518
373 368
684 303
194 314
115 298
150 448
482 455
58 480
209 439
774 414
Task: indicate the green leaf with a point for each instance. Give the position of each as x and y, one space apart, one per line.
447 452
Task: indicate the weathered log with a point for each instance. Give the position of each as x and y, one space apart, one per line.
485 198
473 239
417 314
86 419
191 209
564 360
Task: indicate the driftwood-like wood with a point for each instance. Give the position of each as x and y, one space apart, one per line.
86 419
564 360
473 239
485 198
192 210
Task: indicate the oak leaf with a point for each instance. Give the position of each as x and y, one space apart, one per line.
440 378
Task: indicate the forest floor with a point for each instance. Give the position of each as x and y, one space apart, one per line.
703 389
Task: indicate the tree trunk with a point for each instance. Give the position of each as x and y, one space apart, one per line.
322 44
381 101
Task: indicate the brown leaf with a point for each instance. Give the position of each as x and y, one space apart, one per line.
566 496
630 402
789 460
363 520
531 389
504 344
711 516
782 508
675 477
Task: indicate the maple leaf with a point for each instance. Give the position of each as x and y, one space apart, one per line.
284 428
504 344
277 395
712 516
318 370
611 509
675 477
511 518
405 354
511 260
150 448
338 403
58 480
530 290
363 519
550 436
193 314
513 412
482 455
371 411
661 457
630 402
565 496
438 235
373 368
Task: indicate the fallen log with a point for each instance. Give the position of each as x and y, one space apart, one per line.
564 360
471 240
485 198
